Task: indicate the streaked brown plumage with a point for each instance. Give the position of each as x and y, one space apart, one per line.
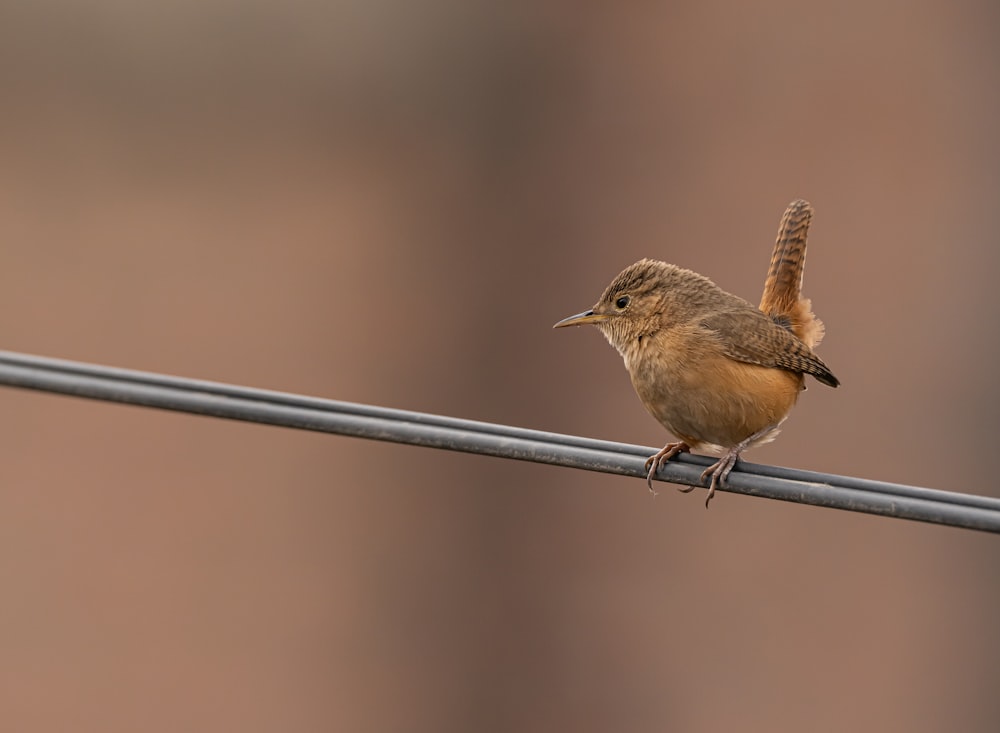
718 373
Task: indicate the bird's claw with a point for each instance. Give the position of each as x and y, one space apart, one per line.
719 471
656 461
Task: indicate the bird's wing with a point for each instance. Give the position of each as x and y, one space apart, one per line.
749 336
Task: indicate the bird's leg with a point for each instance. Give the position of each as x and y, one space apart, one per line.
720 470
654 462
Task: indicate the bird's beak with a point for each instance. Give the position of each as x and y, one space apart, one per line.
581 319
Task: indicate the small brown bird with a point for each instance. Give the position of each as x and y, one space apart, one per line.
718 373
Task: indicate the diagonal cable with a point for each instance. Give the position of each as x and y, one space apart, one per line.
436 431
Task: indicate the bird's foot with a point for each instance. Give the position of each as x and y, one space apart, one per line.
654 462
720 470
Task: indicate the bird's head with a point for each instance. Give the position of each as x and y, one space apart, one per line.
645 298
633 305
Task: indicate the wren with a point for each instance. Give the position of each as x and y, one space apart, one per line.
716 372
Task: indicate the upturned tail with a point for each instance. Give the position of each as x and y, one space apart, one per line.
782 299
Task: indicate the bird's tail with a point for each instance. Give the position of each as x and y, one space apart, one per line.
782 299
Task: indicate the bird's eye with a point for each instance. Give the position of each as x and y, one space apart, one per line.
622 302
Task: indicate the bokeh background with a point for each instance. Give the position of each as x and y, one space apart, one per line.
391 202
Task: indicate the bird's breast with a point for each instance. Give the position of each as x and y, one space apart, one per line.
704 397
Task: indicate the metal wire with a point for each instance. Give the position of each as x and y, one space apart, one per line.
435 431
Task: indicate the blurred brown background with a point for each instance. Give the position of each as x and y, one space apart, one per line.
391 203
